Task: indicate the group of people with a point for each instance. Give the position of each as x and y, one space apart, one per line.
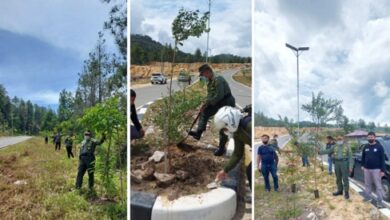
86 155
228 120
340 155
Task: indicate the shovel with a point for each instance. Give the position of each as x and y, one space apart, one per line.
181 144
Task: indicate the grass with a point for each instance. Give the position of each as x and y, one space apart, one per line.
286 205
48 192
244 76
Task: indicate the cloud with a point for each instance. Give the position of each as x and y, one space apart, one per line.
348 57
230 24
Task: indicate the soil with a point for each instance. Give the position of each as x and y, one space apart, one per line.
199 162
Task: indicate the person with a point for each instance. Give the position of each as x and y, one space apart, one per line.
329 144
303 152
233 123
274 143
136 130
87 159
373 165
218 96
267 160
343 164
57 141
46 139
69 145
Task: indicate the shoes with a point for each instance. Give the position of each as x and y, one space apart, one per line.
220 151
379 204
195 134
338 193
346 195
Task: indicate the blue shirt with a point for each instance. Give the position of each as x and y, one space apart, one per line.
267 154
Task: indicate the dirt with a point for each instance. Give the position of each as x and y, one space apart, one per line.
280 205
200 164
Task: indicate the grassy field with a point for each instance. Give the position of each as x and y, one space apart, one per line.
37 182
244 76
286 205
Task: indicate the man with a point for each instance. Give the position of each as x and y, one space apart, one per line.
274 143
87 159
136 130
267 160
373 165
329 144
57 141
303 152
46 139
232 122
218 96
69 145
343 164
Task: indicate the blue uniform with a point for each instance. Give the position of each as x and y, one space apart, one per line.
269 160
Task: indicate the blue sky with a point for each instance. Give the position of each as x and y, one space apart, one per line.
43 45
348 58
230 23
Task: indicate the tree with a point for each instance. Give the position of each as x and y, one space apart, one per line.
198 55
65 107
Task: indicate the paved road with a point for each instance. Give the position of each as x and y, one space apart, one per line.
6 141
152 92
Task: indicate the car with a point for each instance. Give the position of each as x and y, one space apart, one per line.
184 77
358 172
158 78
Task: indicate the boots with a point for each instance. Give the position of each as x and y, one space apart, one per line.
220 151
196 134
338 193
346 195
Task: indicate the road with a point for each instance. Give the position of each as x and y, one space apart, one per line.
282 141
6 141
150 93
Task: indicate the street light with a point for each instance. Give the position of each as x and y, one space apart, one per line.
208 33
297 52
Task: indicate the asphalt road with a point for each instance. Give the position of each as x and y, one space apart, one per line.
6 141
151 92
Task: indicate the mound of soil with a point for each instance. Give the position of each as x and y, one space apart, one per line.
194 169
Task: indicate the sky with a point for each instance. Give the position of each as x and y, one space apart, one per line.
230 24
43 45
348 59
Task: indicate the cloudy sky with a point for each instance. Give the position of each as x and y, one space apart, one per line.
43 45
230 23
349 56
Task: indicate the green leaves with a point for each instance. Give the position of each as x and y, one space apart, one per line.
188 24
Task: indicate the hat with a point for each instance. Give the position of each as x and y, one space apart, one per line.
87 133
203 68
340 138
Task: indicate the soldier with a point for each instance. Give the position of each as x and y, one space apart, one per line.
136 130
329 144
57 141
87 159
231 120
342 157
218 96
274 143
69 145
46 139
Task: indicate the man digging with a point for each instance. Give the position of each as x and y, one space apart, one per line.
218 96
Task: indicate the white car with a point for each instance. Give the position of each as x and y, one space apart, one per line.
158 78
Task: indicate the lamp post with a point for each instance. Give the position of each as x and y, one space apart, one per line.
297 52
208 33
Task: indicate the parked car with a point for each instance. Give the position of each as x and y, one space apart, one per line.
184 77
358 172
158 78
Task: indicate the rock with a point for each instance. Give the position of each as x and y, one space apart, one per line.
136 176
20 182
182 175
148 174
312 216
164 179
149 130
157 156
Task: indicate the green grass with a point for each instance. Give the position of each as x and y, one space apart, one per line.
49 190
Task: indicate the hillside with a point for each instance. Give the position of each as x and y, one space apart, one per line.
145 50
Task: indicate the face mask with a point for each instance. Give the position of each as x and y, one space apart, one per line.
86 137
371 141
339 142
204 79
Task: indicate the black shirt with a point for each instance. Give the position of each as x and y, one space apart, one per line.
134 117
373 156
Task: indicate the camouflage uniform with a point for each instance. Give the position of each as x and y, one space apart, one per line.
274 144
218 96
343 162
69 145
87 161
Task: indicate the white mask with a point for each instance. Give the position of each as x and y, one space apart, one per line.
86 137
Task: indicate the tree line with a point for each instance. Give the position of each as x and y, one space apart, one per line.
145 50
